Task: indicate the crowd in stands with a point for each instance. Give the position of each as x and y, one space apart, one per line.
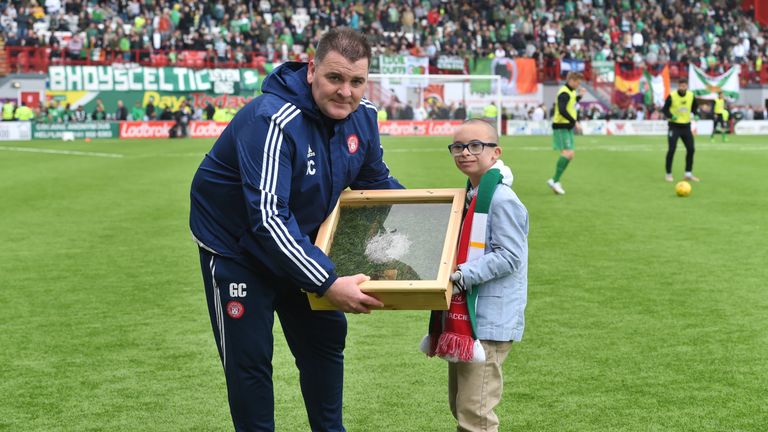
711 33
434 110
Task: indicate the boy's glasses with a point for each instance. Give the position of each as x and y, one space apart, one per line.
475 147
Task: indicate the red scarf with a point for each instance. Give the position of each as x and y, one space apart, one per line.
455 341
452 334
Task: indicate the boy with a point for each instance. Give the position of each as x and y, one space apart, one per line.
490 284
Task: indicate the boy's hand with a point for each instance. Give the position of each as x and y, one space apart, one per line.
458 282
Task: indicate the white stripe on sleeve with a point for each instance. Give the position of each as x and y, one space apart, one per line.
269 212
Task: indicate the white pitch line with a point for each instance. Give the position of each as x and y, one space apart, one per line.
416 150
627 148
61 152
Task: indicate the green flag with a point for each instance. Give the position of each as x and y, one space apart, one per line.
480 66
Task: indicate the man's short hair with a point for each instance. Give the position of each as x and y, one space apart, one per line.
682 80
574 76
351 44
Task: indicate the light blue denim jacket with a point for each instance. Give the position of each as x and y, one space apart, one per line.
501 275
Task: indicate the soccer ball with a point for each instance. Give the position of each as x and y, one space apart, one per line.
683 189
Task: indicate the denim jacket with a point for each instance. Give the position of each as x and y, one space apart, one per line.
501 275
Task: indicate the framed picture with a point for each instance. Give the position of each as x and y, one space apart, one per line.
405 240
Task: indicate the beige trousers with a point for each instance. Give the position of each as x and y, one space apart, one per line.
474 389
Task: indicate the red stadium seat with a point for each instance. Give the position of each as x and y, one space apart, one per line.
159 60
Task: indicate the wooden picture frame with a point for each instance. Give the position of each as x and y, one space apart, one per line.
409 248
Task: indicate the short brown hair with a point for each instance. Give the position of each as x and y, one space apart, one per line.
351 44
574 76
682 80
490 127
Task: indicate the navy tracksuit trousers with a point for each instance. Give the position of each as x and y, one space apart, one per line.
242 304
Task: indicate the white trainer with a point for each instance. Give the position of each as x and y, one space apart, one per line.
669 178
556 187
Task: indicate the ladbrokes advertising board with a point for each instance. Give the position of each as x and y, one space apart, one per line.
145 129
161 129
79 130
421 128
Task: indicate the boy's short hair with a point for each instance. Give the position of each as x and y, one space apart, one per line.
495 132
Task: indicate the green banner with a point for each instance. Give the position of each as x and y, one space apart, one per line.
450 62
604 71
375 68
481 66
393 65
79 130
166 79
250 80
403 65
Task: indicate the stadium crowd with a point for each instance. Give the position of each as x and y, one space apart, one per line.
713 34
710 33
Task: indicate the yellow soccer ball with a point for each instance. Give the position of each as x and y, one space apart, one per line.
683 189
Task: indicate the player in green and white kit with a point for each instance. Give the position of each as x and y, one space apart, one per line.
564 124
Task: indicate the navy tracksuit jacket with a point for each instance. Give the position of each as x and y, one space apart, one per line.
257 201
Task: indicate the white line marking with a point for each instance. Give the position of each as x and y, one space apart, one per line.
414 150
626 148
62 152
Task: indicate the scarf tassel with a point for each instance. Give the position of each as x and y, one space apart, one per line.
453 347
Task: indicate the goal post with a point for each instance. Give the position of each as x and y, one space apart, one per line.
435 97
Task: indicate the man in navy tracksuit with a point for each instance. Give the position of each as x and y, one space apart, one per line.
258 199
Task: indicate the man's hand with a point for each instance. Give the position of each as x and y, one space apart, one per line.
346 296
458 282
582 91
673 118
577 128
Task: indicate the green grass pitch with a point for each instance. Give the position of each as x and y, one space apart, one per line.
646 312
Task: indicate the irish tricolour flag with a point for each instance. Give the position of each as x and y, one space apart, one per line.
707 87
655 85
